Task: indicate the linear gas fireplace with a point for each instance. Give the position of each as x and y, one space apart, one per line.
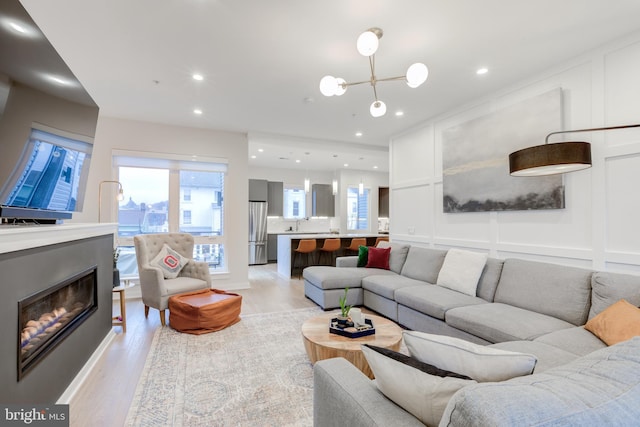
49 316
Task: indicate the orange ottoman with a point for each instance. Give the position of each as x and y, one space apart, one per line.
205 311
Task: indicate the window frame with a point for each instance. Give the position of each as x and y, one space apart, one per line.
174 163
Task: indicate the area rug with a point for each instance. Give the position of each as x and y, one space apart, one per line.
254 373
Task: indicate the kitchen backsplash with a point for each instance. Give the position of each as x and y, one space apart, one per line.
312 225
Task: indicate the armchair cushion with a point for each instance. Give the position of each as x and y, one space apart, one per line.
169 261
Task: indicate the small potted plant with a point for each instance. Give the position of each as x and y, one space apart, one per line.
343 319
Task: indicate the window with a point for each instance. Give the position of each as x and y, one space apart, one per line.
357 209
294 202
171 195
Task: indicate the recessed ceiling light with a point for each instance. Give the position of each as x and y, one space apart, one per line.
197 111
481 71
375 167
260 150
297 160
399 113
254 156
346 165
358 133
198 77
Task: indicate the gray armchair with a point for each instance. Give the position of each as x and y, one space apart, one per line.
155 289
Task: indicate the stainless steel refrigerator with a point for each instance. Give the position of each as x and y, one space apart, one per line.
257 233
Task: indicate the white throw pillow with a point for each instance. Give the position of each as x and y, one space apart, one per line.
423 395
461 271
170 261
479 362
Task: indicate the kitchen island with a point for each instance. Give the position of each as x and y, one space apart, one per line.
289 241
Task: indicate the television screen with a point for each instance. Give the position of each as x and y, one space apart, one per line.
50 173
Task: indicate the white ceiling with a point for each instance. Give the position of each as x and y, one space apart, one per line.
262 62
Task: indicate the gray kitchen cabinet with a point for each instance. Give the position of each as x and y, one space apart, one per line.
323 200
275 198
258 190
272 247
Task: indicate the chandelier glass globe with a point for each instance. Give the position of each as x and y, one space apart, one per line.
417 74
367 43
378 109
329 86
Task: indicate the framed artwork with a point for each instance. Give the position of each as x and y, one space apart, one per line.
475 158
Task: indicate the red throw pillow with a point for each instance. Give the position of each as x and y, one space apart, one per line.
379 258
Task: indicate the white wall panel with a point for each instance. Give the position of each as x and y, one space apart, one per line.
623 204
411 211
598 228
412 157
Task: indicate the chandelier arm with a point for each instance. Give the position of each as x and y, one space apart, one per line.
389 79
356 83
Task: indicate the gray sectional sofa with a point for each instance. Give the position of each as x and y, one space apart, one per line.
523 306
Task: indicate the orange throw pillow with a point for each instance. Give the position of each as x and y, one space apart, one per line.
618 322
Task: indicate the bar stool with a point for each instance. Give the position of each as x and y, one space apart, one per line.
305 247
381 239
329 249
355 245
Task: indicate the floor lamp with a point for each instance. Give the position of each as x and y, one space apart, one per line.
120 194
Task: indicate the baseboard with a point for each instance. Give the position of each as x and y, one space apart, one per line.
73 388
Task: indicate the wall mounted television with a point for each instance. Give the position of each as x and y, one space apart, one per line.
47 125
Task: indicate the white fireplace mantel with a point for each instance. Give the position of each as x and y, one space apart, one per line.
18 237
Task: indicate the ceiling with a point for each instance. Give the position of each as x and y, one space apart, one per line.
262 62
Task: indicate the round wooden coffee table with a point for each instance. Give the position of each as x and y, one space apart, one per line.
321 344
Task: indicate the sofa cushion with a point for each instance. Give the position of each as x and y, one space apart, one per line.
489 279
387 285
479 362
555 290
608 288
576 340
600 389
423 264
461 271
496 322
424 395
325 277
378 258
547 355
433 300
397 256
619 322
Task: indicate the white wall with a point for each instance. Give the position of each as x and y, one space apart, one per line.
118 134
599 228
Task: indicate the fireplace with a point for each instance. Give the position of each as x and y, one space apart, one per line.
46 318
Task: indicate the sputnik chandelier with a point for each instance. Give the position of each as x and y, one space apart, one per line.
367 45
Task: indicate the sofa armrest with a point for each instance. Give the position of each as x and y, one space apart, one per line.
344 396
347 261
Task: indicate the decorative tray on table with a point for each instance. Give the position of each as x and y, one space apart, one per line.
353 331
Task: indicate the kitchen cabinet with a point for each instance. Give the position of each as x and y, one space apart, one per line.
323 201
275 198
258 190
272 247
383 202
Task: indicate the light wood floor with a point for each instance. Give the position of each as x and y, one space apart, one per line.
104 398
